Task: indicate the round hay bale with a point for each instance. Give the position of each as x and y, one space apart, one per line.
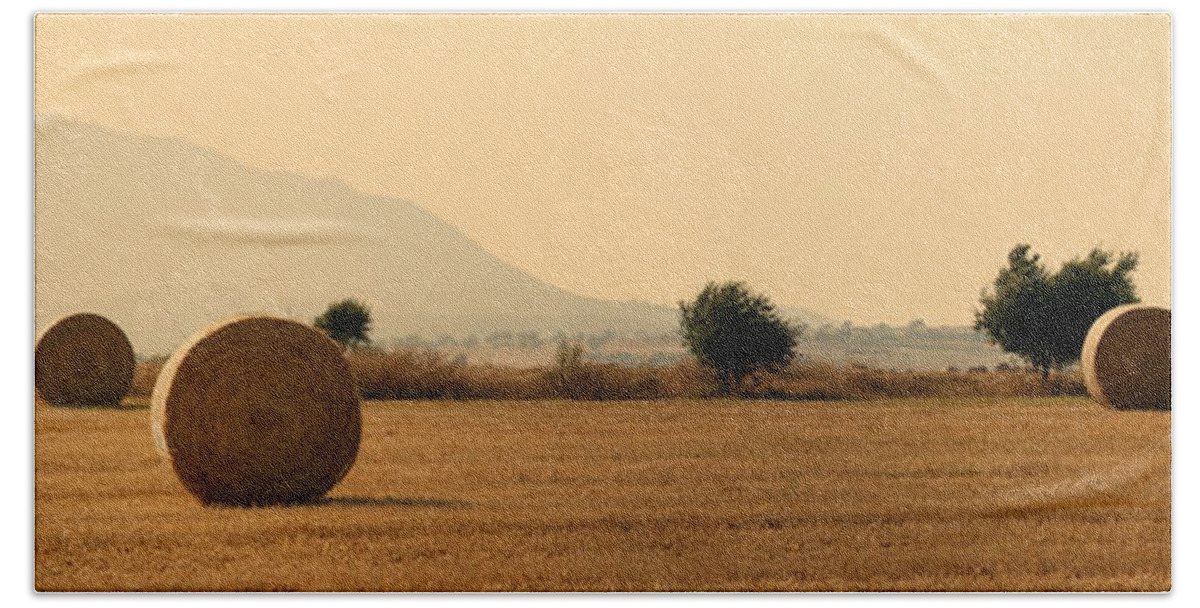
256 411
82 359
1126 358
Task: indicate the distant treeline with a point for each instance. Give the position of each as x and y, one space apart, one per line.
917 330
511 339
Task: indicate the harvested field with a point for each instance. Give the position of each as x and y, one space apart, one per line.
922 494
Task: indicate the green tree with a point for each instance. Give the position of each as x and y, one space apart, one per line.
736 333
1045 317
1084 289
1016 312
348 322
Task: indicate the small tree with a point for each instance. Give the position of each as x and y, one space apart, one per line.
348 322
565 374
736 333
1043 317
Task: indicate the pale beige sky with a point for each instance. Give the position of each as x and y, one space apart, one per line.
871 167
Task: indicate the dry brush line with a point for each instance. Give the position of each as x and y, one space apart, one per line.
823 381
82 359
145 374
428 374
423 374
257 410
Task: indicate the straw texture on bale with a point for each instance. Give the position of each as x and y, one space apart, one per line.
257 410
82 359
1126 358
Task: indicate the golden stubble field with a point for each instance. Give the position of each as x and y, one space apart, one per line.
999 494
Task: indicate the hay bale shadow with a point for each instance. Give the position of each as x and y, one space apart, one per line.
124 406
350 501
393 501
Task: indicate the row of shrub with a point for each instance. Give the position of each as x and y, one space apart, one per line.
426 374
819 381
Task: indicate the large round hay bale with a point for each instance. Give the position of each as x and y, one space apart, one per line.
1127 358
82 359
257 410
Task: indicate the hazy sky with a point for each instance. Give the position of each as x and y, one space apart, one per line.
871 167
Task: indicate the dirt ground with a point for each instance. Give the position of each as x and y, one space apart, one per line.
1001 494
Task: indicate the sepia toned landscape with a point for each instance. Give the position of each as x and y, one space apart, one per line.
826 302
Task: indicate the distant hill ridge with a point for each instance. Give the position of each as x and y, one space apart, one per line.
166 237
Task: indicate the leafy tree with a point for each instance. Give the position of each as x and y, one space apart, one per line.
736 333
1045 317
1016 313
1083 290
347 321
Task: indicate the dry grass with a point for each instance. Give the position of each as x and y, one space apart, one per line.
966 494
421 374
424 374
145 374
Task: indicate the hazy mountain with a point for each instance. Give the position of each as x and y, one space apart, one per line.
165 237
